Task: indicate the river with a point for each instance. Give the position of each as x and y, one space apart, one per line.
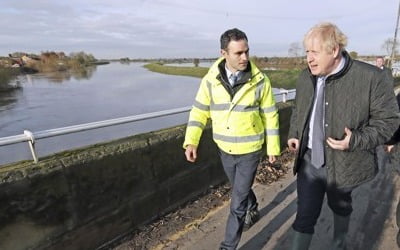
48 101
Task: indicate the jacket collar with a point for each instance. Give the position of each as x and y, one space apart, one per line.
244 76
346 67
340 73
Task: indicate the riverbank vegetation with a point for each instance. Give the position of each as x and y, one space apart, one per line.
282 78
282 71
50 61
6 75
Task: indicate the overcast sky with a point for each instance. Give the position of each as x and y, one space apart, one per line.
186 28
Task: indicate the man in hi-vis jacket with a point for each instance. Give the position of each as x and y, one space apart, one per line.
238 99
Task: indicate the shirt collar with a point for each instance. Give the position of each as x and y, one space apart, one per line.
229 73
339 67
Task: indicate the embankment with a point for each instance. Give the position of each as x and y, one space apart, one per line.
84 198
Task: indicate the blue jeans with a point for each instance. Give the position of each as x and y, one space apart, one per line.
240 170
311 189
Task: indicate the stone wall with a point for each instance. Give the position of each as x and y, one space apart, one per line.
84 198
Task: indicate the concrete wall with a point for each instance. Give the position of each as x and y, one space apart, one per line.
84 198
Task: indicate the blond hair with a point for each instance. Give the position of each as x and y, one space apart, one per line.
329 34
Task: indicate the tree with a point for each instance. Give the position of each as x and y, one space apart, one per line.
294 49
82 58
388 46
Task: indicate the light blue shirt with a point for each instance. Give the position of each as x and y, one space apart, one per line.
230 75
320 83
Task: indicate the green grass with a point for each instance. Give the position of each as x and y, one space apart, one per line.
174 70
283 78
279 78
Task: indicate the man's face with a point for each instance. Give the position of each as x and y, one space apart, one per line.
379 62
320 61
236 55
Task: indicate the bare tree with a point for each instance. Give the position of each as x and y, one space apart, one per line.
388 46
294 49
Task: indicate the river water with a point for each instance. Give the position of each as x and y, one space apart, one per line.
49 101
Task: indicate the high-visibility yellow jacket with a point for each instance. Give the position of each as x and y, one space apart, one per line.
242 123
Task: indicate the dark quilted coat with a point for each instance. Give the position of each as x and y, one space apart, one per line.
396 137
360 98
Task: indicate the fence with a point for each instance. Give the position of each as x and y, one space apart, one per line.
32 137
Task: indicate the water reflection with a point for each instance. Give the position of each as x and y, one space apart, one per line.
10 84
82 73
8 98
98 93
9 89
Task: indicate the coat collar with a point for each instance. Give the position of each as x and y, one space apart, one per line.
340 73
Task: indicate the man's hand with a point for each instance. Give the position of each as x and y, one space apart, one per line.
293 144
388 148
271 158
340 144
191 153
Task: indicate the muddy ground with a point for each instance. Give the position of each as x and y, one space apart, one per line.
189 215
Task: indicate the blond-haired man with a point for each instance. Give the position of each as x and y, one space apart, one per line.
344 108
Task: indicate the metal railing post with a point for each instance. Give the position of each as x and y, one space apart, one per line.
284 93
31 143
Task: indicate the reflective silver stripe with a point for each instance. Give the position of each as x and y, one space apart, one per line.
269 109
195 124
201 106
245 108
272 131
259 88
237 108
234 139
222 106
210 93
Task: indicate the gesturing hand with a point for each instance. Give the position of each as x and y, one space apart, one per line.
340 144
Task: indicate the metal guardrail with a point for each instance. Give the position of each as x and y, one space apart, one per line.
32 137
285 93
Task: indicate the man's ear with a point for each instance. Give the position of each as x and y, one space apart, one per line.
224 53
336 51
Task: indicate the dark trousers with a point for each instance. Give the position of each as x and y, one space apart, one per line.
311 189
240 170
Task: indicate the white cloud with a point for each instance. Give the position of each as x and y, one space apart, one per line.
178 28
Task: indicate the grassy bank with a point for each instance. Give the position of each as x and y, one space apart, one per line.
6 74
279 78
283 78
175 70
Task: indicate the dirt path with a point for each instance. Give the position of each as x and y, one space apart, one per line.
201 224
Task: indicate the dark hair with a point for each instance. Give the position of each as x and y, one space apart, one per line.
232 34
